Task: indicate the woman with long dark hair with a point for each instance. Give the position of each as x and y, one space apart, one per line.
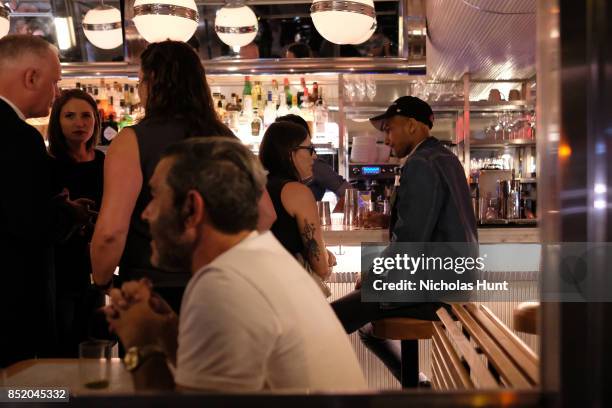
288 154
77 167
178 105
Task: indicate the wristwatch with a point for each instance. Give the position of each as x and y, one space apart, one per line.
135 356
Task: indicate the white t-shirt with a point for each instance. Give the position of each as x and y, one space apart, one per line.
253 319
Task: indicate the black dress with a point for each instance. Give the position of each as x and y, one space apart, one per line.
153 137
76 299
285 228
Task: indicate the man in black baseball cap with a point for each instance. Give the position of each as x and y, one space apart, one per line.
406 122
431 205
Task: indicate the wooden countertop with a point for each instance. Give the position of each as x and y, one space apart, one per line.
340 235
64 373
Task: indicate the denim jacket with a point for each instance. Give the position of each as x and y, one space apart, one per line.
432 202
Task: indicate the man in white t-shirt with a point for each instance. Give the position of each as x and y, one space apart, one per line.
251 317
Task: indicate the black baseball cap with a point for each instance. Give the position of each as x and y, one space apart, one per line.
409 106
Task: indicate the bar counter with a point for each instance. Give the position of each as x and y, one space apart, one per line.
340 235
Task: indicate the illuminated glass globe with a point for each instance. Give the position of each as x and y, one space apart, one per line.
102 27
4 20
343 22
236 25
169 20
367 36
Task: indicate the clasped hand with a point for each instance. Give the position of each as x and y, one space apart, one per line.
141 317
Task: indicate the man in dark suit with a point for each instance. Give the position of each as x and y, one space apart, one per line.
30 217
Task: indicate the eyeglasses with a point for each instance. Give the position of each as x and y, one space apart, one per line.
310 148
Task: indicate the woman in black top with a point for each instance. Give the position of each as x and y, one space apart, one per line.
287 153
178 105
77 168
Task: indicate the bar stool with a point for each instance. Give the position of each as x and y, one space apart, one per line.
526 317
409 331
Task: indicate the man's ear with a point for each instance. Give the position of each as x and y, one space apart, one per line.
30 78
194 211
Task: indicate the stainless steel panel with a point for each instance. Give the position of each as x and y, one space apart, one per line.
489 46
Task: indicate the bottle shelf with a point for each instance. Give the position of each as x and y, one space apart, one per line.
504 143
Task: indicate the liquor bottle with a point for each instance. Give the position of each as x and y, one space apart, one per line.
261 105
247 97
126 118
126 93
233 112
306 111
321 114
133 97
96 96
315 93
103 97
222 113
295 110
275 93
282 109
110 128
257 91
287 91
110 110
256 126
269 112
115 102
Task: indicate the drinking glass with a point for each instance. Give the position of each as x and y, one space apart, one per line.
370 88
360 88
324 213
95 363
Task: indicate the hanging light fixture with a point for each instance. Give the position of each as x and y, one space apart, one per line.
5 12
102 27
160 20
366 36
236 24
344 22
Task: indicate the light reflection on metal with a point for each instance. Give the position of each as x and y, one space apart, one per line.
102 27
600 188
236 30
600 204
166 10
263 66
345 6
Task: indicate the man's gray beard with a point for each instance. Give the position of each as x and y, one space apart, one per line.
174 255
176 258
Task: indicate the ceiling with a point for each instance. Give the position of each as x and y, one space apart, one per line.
490 39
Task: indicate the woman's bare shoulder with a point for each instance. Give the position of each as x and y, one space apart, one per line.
296 196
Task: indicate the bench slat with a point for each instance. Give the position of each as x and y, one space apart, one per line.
435 368
496 355
479 372
446 378
434 381
445 370
460 375
523 357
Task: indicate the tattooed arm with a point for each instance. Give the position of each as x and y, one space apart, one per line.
300 203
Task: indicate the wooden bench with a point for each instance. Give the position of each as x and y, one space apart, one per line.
409 331
474 349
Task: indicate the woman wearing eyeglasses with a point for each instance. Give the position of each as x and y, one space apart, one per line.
287 153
